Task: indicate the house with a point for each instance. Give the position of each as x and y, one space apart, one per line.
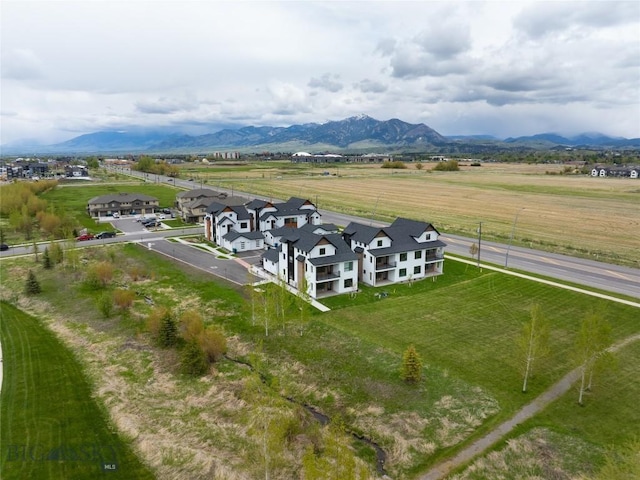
324 261
75 171
192 205
407 250
615 171
295 213
221 219
122 204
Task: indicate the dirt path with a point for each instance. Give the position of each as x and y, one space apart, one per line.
442 469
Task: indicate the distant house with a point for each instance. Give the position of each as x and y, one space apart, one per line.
407 250
615 171
192 205
122 204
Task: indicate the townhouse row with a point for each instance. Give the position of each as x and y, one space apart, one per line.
317 257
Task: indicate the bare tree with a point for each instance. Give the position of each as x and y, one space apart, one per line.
534 342
594 338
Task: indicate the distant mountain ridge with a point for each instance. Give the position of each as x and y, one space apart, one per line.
358 133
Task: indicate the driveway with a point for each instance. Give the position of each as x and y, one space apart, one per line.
232 270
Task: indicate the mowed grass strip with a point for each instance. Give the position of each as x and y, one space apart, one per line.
470 328
51 426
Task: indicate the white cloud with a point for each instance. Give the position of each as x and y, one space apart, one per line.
508 68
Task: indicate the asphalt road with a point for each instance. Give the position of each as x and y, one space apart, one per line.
604 276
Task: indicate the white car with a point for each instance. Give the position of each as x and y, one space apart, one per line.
116 215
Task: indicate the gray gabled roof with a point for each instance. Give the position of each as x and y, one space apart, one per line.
198 193
402 232
322 228
272 255
122 198
306 241
233 235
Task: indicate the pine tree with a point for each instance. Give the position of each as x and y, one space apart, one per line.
46 260
193 360
32 286
411 365
168 334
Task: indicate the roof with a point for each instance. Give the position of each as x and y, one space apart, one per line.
233 235
306 241
198 192
272 255
322 228
255 204
122 198
402 232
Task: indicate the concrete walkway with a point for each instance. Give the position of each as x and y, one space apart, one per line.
479 446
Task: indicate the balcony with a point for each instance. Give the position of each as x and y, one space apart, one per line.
433 257
384 263
326 275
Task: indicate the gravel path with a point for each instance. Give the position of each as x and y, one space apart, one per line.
556 391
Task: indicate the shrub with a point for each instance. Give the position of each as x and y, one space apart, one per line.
105 305
411 365
213 344
100 274
448 166
193 360
168 332
395 164
123 298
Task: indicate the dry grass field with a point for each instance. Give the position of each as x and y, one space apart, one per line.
597 218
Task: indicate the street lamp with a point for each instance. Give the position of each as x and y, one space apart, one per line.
513 230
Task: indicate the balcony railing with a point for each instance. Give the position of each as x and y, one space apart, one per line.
385 265
327 276
432 257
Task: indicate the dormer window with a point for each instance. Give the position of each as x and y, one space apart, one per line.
323 251
379 243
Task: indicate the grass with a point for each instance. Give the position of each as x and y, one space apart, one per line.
73 198
560 212
346 362
51 426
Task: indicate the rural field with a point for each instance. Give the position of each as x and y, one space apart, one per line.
245 417
578 215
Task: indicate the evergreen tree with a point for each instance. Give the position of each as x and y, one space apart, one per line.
411 365
32 286
193 360
168 334
47 263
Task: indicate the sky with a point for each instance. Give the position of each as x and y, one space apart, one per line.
194 66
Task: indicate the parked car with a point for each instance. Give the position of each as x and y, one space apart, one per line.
116 215
166 210
3 247
106 235
152 224
161 216
85 236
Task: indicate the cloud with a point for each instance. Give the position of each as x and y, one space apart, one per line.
21 64
370 86
326 82
548 18
165 105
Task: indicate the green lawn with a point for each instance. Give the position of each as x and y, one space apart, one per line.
51 426
73 199
347 361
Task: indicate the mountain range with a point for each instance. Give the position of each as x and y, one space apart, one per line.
354 134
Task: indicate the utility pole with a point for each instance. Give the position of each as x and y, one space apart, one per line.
513 230
479 242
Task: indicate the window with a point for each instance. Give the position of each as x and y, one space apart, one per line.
243 225
416 270
348 282
403 257
379 243
323 251
242 245
418 254
403 272
348 266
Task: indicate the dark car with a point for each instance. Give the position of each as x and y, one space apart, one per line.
152 224
3 247
106 235
166 210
